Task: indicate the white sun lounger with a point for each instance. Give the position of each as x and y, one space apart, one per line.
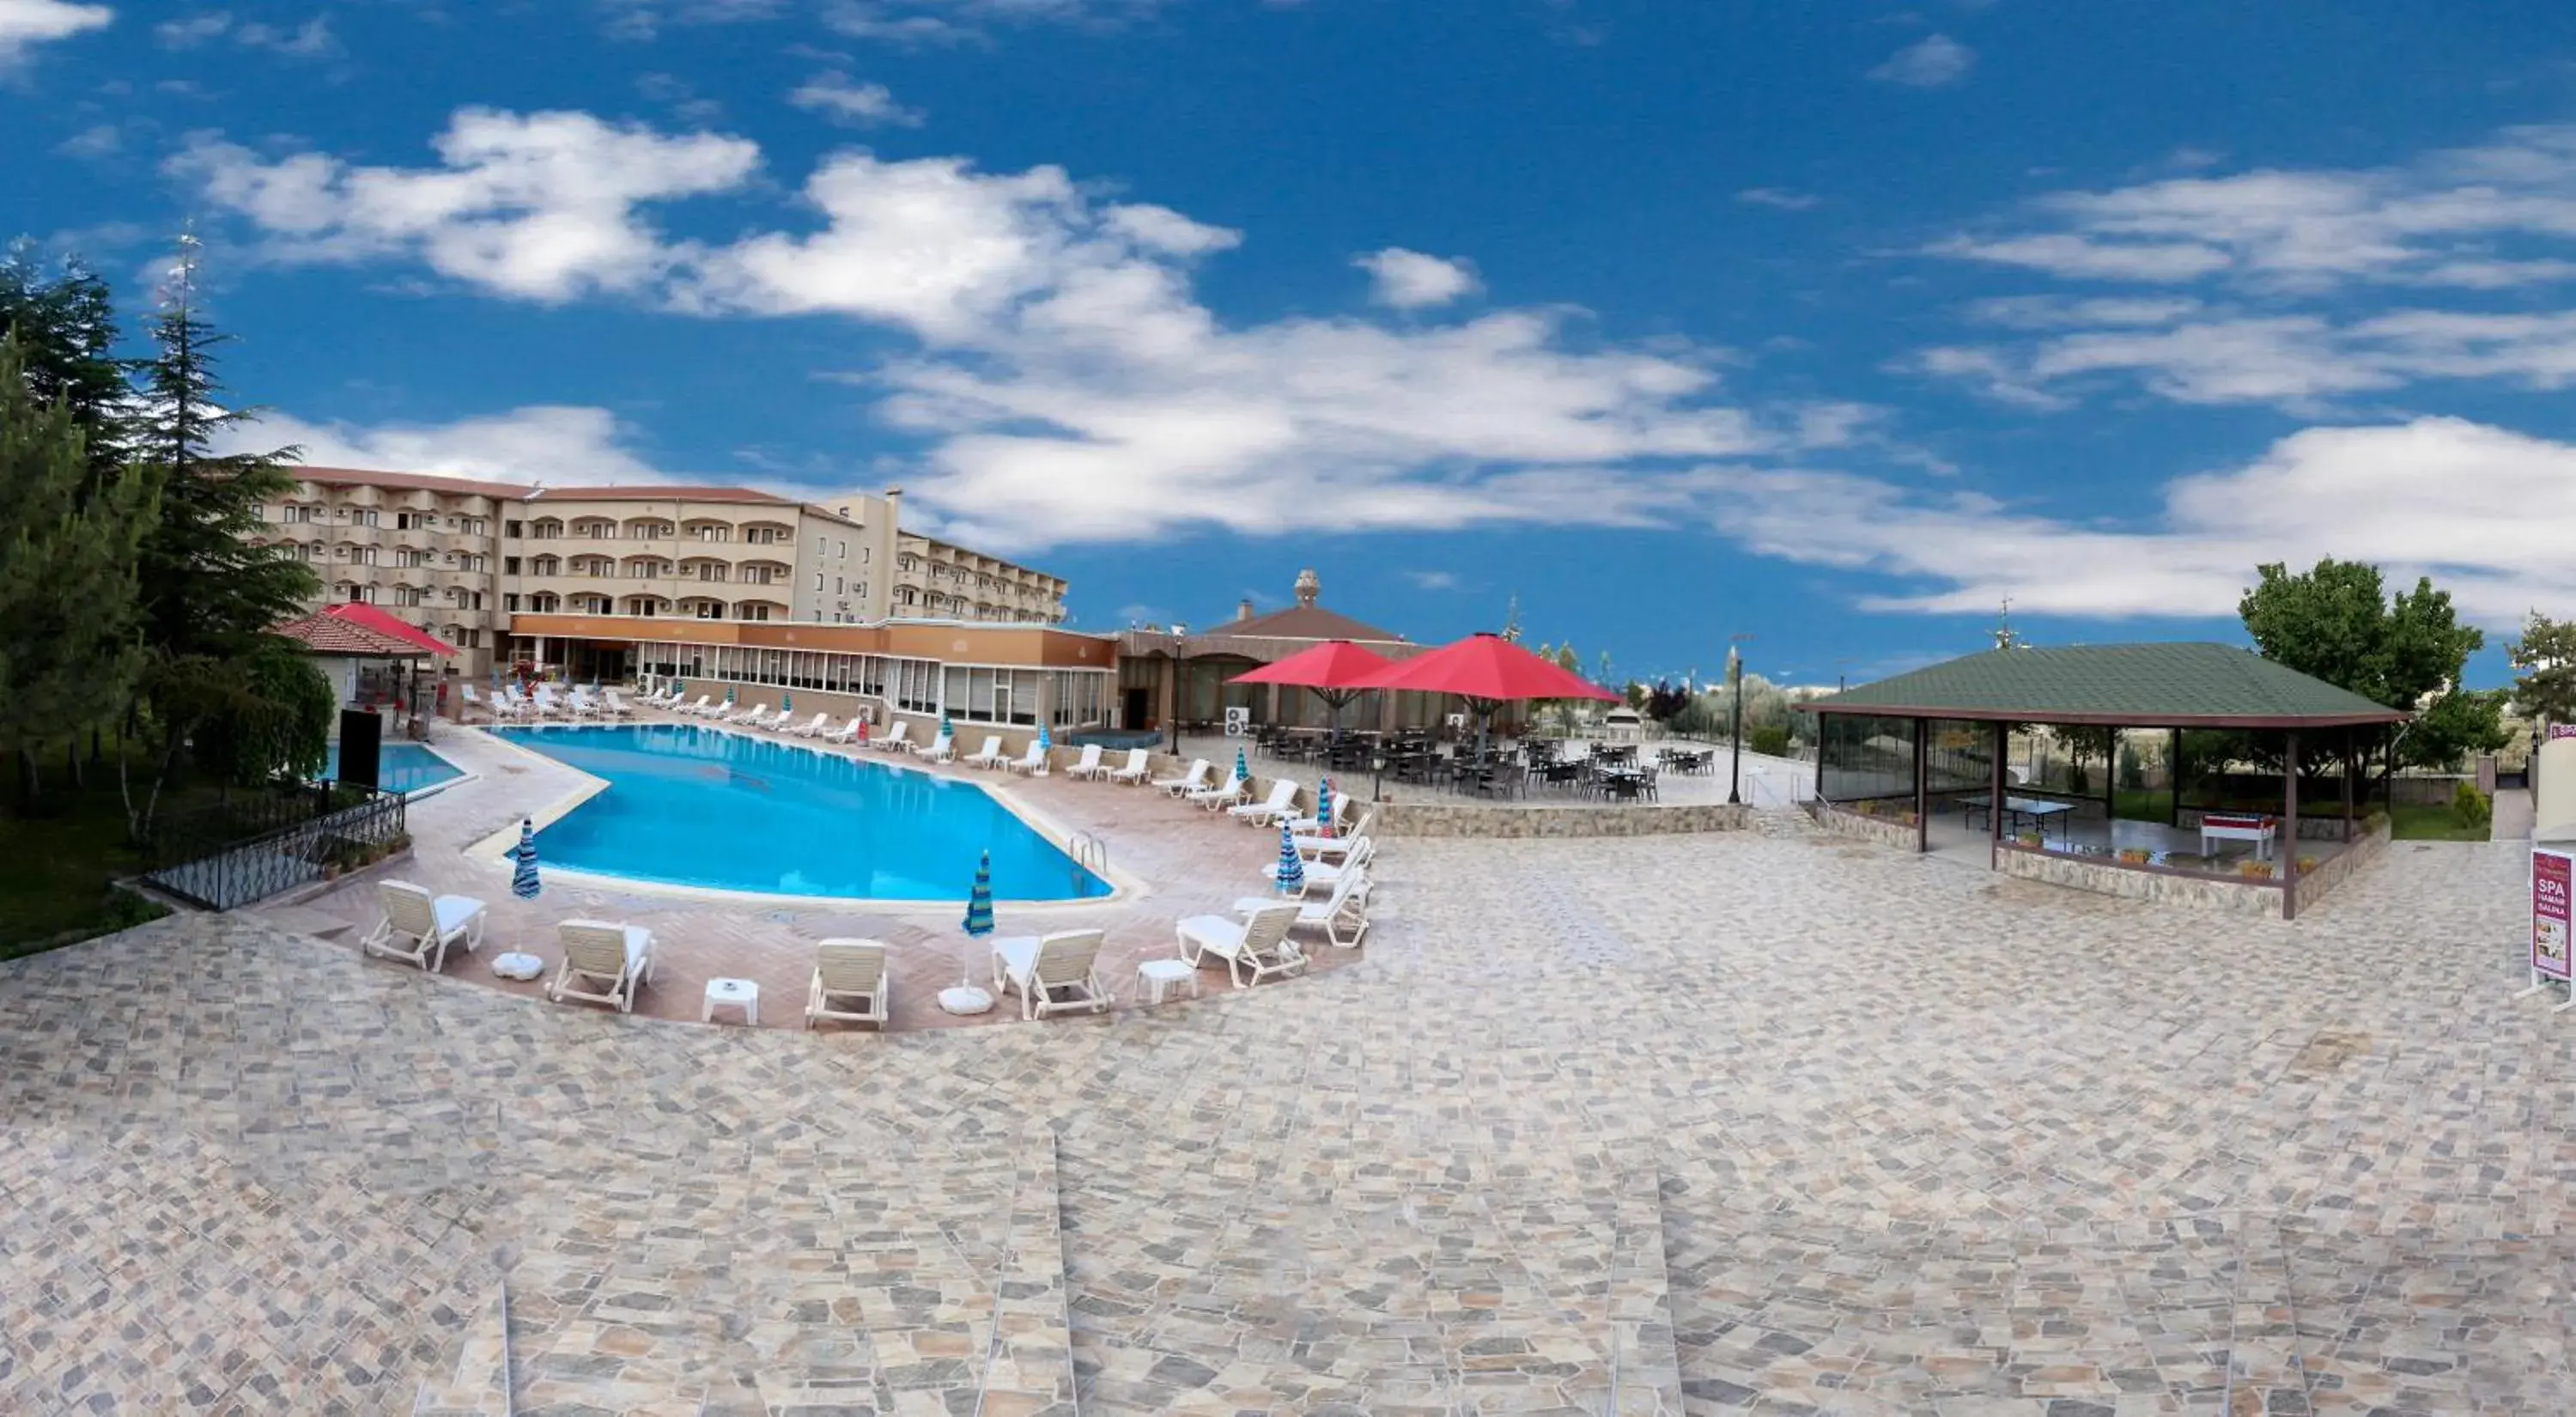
617 707
756 716
812 728
850 983
1314 826
942 749
616 958
1345 912
1089 764
847 732
418 927
894 740
1033 762
1324 875
1224 796
992 755
1282 803
1317 848
1134 774
1195 780
1253 948
1052 972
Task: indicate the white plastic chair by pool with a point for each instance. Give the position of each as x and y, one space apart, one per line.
418 927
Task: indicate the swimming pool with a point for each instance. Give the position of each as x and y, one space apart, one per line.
400 767
693 806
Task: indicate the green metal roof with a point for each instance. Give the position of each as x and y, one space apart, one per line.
2151 685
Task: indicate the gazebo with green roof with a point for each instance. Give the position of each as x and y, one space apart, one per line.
1883 730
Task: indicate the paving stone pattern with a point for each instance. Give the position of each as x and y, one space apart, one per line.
1755 1122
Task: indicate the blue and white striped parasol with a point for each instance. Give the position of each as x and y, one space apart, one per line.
1324 808
1291 874
523 876
1242 768
979 901
1045 744
786 704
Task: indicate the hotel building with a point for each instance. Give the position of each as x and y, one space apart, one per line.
726 587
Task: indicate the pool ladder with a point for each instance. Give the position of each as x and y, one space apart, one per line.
1090 853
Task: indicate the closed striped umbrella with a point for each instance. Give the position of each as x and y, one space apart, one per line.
1324 807
1045 744
979 901
1242 768
786 706
1291 874
523 876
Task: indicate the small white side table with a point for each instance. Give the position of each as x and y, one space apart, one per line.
740 993
1154 976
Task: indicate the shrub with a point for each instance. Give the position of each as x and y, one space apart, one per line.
1772 741
2133 774
2078 782
2471 806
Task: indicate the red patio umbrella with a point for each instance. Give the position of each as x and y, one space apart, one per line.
1486 670
1336 670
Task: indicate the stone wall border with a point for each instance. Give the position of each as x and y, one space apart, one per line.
1455 819
1878 829
2107 876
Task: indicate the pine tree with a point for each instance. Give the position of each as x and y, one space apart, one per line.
210 589
69 593
66 328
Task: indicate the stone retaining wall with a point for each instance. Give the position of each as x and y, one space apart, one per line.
2336 869
1885 831
2107 877
1504 820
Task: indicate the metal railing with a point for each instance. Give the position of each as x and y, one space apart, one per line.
250 850
1090 853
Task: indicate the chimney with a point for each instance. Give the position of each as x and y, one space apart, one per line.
894 507
1243 609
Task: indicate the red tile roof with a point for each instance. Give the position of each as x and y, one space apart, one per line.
672 493
325 633
409 481
1305 622
391 626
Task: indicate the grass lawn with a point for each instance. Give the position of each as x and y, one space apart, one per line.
55 869
2141 804
2412 822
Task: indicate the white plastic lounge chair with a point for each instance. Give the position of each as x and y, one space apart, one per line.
617 707
991 756
1344 913
847 732
1253 948
1324 875
693 710
1089 764
895 740
1224 796
584 706
850 983
617 957
418 927
473 703
942 749
1052 972
548 706
1195 780
1033 762
812 728
1314 826
1281 803
756 716
1328 848
1134 774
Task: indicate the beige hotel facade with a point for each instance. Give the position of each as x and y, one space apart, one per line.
618 581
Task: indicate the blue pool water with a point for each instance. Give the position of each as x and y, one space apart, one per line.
401 767
693 806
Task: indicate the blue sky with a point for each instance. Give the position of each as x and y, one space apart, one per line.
1831 324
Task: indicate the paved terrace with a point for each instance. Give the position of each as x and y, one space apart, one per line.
1750 1122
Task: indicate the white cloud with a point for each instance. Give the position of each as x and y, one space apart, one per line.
929 22
24 24
1934 61
1067 384
2482 509
559 445
189 31
312 39
1410 280
646 19
1780 198
843 99
1433 580
541 205
99 140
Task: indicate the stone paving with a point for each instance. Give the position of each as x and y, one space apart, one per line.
1761 1122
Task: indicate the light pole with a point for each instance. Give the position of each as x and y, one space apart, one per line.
1735 731
1180 687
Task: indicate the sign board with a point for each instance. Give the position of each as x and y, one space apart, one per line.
2561 730
2553 873
1238 722
1458 721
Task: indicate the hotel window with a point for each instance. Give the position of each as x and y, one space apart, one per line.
510 601
844 552
916 685
751 610
410 595
818 582
509 565
514 530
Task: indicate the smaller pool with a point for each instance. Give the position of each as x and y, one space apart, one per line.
401 767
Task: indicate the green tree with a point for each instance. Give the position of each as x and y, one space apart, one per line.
2338 623
211 590
68 588
2546 655
65 324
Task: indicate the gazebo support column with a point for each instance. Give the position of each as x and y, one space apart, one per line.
1995 798
2288 853
2347 774
2173 782
1922 780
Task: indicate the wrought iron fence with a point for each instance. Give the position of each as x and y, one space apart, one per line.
251 849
